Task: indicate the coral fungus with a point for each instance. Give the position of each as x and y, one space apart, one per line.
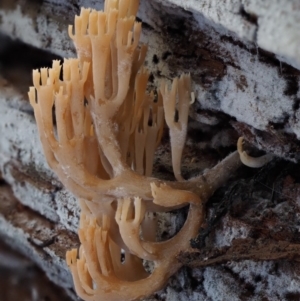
102 148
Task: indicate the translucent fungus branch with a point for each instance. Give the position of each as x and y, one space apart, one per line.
177 116
252 161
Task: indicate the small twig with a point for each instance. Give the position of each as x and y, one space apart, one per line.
242 249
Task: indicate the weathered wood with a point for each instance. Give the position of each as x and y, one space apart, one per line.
42 241
244 57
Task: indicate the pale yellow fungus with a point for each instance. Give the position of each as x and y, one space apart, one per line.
254 162
102 148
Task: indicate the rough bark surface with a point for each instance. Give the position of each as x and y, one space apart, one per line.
244 58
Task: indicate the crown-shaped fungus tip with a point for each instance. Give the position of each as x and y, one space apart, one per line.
32 96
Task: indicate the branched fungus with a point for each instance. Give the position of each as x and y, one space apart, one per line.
102 147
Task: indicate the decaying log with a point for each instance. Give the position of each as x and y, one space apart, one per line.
244 58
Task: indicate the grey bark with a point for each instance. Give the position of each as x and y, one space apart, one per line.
244 58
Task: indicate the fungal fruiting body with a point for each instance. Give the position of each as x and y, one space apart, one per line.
102 147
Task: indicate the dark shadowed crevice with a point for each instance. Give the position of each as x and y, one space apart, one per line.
17 60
